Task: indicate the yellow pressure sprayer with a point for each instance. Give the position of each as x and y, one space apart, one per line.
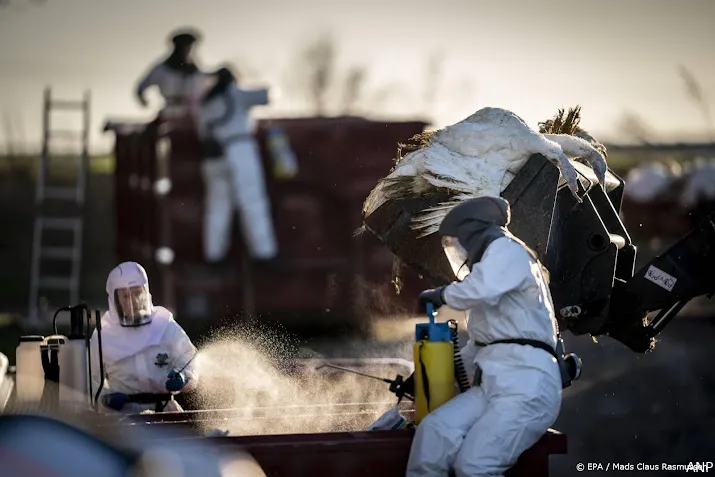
434 355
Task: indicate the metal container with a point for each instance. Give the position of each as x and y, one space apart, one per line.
323 271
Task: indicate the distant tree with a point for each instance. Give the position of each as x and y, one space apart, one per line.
634 127
695 92
317 76
9 134
318 71
354 85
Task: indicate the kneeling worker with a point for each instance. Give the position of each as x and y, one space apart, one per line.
512 330
147 355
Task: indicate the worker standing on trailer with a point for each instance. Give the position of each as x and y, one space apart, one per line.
144 350
177 77
233 171
516 395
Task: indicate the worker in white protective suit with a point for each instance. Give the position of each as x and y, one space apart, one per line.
148 358
179 81
516 394
233 171
648 183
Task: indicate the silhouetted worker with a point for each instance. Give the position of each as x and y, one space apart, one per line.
177 77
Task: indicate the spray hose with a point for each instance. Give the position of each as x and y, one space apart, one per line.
460 373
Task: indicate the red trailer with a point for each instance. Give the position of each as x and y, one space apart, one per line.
323 437
324 270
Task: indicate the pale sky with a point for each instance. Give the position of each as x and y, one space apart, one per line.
531 57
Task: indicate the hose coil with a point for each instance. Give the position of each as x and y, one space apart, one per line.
460 373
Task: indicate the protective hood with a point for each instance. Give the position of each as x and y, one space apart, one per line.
224 79
119 340
128 295
469 228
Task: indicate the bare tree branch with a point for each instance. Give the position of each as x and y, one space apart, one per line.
318 64
695 92
634 127
315 74
9 135
354 84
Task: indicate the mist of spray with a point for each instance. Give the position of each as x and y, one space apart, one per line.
251 369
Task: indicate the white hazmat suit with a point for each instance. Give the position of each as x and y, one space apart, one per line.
138 358
234 178
648 183
482 432
181 91
178 79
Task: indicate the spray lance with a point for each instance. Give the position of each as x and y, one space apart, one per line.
438 367
399 386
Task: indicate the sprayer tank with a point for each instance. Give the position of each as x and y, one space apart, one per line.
29 375
73 373
74 378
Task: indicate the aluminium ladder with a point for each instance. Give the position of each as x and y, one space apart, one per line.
44 193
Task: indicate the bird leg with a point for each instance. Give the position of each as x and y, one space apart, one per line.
568 172
579 148
598 165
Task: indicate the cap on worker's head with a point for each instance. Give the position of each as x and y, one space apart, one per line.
493 210
185 37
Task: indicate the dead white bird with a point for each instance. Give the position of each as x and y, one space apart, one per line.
648 182
479 156
700 184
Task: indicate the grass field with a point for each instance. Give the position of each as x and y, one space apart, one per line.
61 166
618 161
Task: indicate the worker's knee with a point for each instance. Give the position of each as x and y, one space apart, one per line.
469 466
492 453
435 427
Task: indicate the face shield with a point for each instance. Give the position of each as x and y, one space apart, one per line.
133 305
457 256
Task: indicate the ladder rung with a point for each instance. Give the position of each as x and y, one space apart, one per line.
57 252
65 133
64 104
60 223
63 193
55 283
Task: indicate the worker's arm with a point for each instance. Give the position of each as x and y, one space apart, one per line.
151 78
184 352
503 268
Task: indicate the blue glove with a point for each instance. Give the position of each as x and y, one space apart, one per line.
115 401
175 381
434 296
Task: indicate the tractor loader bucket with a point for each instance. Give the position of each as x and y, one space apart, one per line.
531 193
584 245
